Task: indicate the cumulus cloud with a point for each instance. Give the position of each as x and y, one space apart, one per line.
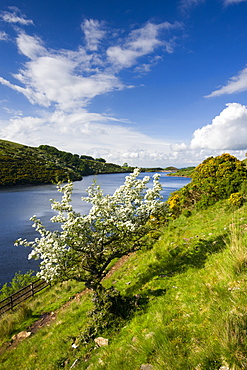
15 16
228 130
235 84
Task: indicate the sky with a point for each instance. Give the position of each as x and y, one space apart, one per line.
149 83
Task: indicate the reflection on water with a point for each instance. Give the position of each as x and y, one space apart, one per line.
20 203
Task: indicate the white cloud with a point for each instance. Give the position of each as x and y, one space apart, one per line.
93 33
31 95
3 36
186 5
30 46
13 112
64 82
52 77
228 130
103 136
68 80
236 84
230 2
15 16
87 133
140 42
179 147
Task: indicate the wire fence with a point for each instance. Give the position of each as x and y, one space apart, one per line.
22 295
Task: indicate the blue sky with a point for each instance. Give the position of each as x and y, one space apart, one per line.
150 83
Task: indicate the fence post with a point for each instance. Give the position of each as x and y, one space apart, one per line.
11 302
32 288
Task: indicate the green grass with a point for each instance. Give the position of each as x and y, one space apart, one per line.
191 305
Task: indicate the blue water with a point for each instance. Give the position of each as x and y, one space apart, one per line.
20 203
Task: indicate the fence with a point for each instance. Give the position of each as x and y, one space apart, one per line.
21 295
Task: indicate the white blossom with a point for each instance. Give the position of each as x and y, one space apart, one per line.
85 243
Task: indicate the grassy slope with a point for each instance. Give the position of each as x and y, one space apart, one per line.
192 313
20 164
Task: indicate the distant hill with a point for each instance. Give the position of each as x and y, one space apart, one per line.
21 164
171 168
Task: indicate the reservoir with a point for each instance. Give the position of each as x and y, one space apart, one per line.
19 203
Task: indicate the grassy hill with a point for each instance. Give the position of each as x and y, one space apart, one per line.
190 312
20 164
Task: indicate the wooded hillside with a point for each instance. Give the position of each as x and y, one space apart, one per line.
21 164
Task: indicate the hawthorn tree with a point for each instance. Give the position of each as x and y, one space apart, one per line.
86 244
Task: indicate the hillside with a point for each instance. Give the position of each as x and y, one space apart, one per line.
189 285
21 164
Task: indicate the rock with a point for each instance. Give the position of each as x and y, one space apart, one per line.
21 335
224 366
146 367
101 341
149 335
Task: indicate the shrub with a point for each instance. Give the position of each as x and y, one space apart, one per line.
214 179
